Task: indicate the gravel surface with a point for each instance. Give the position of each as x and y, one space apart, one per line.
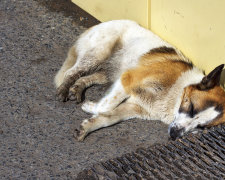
36 132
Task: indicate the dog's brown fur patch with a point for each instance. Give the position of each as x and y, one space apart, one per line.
153 67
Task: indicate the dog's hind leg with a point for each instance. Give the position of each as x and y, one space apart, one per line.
124 111
69 62
90 57
76 90
88 64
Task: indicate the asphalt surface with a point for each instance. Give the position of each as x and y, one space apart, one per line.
36 131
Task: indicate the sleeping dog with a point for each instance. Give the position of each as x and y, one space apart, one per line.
151 79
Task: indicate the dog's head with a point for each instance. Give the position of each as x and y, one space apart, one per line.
202 105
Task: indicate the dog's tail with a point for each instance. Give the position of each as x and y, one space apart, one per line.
69 62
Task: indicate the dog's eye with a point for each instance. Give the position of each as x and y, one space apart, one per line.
191 110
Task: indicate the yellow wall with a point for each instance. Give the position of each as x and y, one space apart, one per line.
105 10
196 27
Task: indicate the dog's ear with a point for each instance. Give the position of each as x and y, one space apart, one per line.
212 79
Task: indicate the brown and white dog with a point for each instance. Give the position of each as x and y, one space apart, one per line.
151 80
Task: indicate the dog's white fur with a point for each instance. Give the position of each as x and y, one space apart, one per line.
202 118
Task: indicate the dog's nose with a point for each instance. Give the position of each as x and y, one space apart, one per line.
176 132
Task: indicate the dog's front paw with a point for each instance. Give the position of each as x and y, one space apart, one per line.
62 93
80 133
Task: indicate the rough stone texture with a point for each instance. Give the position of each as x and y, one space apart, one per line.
194 156
36 131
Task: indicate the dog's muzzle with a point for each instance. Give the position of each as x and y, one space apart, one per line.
175 132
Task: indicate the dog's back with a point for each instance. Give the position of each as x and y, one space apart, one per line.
115 45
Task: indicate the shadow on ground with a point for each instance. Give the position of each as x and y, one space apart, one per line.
36 132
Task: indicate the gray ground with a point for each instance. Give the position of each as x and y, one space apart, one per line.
36 131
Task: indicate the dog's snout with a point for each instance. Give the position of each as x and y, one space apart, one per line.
176 132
